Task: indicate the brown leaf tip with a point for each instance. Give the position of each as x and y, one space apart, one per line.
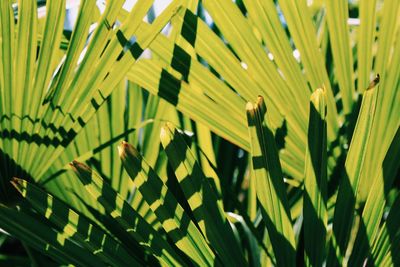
261 106
79 166
122 149
127 149
17 183
16 180
374 82
72 164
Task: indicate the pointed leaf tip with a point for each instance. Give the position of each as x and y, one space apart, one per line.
18 184
249 106
261 106
15 182
72 166
73 163
121 149
260 99
79 166
250 111
126 149
374 82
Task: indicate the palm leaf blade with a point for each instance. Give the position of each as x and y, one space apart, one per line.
269 183
315 183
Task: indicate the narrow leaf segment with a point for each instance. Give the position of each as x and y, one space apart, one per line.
315 182
269 184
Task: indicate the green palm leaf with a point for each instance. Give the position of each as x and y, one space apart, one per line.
25 225
75 226
163 203
346 199
201 197
269 183
128 218
311 186
60 96
315 182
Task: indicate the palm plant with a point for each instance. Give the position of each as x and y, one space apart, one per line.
306 175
